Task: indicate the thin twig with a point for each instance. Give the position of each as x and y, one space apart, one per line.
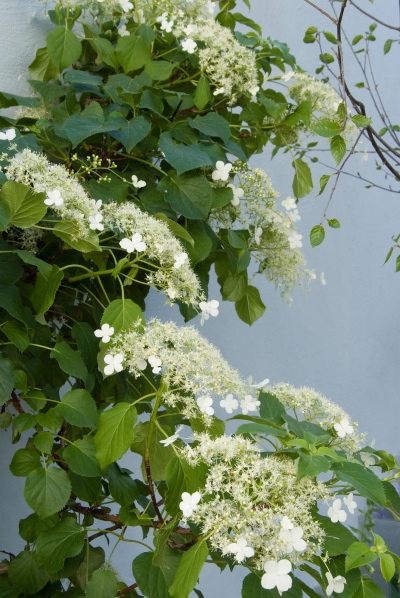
373 18
152 493
99 534
16 402
126 590
322 11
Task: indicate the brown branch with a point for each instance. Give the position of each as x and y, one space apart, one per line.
10 554
321 11
126 590
151 488
97 513
373 18
16 402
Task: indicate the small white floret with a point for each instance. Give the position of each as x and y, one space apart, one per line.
343 428
336 513
137 183
8 135
204 404
229 403
105 332
221 172
114 363
189 503
240 549
335 584
189 45
249 403
54 198
277 575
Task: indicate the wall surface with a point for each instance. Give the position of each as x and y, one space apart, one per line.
342 338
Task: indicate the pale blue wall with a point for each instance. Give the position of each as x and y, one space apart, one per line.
342 338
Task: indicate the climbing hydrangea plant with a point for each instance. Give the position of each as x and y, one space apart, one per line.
127 169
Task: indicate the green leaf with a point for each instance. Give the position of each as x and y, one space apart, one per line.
17 335
123 489
64 47
392 497
356 39
330 37
250 308
32 526
388 567
353 577
106 52
87 489
70 361
260 429
326 127
44 442
115 433
69 232
149 578
24 461
160 541
311 465
202 94
121 314
358 555
81 457
317 235
333 223
42 68
159 70
361 121
189 194
213 125
79 127
368 589
235 287
51 419
45 290
160 455
189 569
6 380
302 182
94 559
361 479
271 408
338 148
26 574
387 46
182 477
10 300
175 228
78 408
337 537
133 53
47 490
10 267
25 207
183 157
398 263
87 343
102 584
44 268
132 132
63 541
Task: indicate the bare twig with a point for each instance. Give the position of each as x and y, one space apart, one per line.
374 18
127 589
151 487
99 534
322 11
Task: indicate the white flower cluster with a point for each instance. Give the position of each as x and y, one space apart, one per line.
230 66
325 100
318 409
252 506
193 371
275 244
140 232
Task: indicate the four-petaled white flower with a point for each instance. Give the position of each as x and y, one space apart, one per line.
237 194
54 198
136 183
240 549
287 76
189 503
221 172
295 240
257 235
249 403
123 31
350 503
95 222
289 204
336 513
189 45
343 428
210 7
229 403
105 332
322 278
8 134
188 30
171 439
155 364
293 539
167 25
125 5
277 575
294 216
135 243
114 363
180 259
335 584
204 404
368 459
258 384
208 308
